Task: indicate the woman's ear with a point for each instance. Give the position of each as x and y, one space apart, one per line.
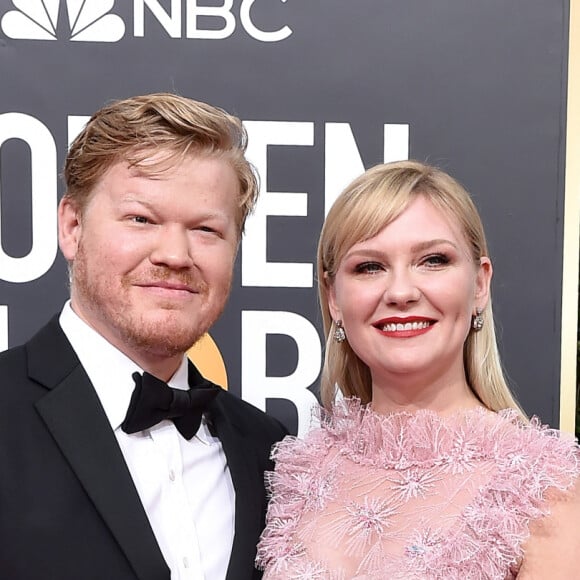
483 282
331 298
69 228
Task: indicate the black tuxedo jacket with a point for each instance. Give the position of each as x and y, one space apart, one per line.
68 506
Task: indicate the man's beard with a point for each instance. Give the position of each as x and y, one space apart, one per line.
163 337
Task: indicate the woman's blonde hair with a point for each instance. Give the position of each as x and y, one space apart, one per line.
363 209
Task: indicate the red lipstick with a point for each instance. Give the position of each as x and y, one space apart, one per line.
404 326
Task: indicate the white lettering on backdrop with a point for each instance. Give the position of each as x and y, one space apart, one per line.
43 196
222 17
342 162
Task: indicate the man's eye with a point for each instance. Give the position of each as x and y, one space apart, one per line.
213 231
139 219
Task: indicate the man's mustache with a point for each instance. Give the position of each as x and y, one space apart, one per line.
163 275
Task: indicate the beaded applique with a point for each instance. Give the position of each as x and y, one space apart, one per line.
411 495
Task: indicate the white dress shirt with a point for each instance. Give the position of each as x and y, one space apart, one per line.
184 486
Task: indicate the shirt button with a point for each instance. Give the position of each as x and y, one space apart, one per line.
171 475
185 562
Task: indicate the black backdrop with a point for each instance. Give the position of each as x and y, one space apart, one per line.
326 88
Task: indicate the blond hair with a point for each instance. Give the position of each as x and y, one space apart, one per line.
363 209
133 129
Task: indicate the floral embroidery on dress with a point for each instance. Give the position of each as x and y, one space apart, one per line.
411 495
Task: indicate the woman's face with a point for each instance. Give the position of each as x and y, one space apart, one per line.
406 297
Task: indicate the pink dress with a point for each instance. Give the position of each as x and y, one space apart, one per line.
411 495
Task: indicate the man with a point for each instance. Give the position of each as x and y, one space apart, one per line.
94 484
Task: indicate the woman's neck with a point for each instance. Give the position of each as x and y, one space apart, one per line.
443 396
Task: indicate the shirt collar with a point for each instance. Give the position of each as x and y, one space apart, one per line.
109 370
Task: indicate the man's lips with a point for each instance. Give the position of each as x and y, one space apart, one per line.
165 286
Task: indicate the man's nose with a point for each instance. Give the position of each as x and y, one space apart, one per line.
172 248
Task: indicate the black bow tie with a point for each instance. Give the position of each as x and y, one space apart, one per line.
153 400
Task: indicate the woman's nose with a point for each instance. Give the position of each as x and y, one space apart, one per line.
401 288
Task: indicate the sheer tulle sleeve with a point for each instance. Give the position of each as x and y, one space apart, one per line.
292 487
412 495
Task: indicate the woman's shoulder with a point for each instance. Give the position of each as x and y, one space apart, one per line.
307 449
549 457
537 487
552 549
301 460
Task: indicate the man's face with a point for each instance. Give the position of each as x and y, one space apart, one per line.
152 256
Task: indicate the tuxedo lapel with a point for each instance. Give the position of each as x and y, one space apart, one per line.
248 484
73 414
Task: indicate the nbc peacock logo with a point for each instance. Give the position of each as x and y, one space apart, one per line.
88 20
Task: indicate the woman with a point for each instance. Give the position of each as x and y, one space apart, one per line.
427 468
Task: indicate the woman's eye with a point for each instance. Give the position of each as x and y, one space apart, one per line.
436 260
139 219
368 268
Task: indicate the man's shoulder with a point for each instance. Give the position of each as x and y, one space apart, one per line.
47 350
251 418
13 358
47 335
17 390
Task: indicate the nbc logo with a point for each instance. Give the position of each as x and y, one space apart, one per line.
89 20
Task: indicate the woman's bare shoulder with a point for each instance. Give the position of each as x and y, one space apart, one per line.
553 548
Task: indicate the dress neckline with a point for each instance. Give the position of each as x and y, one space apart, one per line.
423 438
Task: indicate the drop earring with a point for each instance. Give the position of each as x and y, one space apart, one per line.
477 322
339 335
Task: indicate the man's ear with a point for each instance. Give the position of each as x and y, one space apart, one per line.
483 282
69 228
